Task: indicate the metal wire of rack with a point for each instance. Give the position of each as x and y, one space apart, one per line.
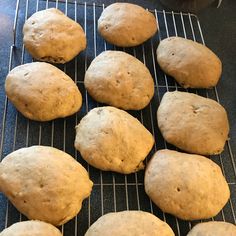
111 191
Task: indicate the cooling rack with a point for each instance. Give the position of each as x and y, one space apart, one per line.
111 191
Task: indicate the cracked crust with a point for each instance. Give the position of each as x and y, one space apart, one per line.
42 92
112 140
132 223
119 79
190 187
44 183
192 64
31 228
126 25
49 34
193 123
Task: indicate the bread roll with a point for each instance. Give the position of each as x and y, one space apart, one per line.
193 123
42 92
51 36
31 228
120 80
132 223
44 183
112 140
190 187
126 24
213 228
192 64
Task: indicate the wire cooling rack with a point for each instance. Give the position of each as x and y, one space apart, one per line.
111 191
